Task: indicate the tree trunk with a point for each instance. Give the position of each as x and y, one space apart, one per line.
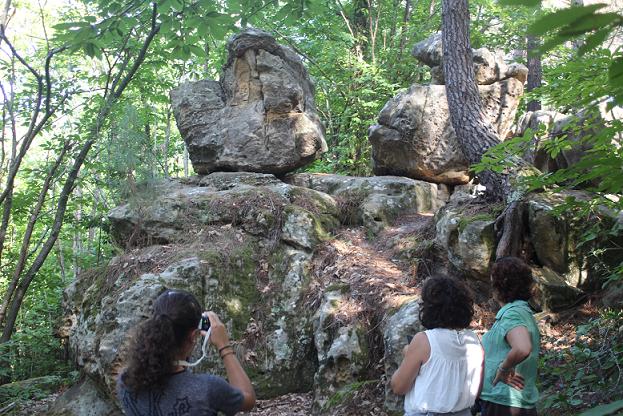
535 72
119 84
167 139
403 35
474 132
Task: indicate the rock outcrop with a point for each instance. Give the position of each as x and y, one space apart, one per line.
376 201
241 242
342 347
578 130
260 116
414 136
400 327
244 244
563 267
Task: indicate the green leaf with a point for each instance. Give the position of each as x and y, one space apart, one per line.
590 23
561 18
615 72
603 410
197 51
594 40
89 49
552 43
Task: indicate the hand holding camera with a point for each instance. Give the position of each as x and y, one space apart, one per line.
218 337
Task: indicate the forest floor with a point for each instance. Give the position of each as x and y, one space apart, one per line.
383 269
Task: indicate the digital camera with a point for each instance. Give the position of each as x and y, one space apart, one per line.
204 324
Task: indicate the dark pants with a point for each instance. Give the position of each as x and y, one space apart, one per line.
494 409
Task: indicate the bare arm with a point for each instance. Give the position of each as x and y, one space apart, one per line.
521 346
416 353
235 373
482 372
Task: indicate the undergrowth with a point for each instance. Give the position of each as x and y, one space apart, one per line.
587 374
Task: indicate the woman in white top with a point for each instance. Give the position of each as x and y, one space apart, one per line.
441 372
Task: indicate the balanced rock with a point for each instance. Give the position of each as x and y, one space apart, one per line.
414 136
489 67
260 116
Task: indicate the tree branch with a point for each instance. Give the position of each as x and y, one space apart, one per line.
70 183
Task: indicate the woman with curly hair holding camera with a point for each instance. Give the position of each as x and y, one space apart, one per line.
442 367
512 344
156 381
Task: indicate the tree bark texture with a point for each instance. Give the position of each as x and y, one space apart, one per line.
474 132
535 72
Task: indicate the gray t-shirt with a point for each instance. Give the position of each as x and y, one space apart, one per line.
184 394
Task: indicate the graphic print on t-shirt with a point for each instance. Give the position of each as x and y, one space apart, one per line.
181 407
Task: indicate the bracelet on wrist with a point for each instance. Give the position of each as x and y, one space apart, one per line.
230 352
220 350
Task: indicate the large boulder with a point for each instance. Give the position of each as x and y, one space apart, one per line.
256 250
414 136
241 242
376 201
489 67
260 116
342 349
400 327
467 238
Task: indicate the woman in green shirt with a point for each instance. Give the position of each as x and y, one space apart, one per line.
512 344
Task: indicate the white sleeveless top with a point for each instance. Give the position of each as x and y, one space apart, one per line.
449 380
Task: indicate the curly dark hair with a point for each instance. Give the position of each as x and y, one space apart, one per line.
446 303
157 341
511 279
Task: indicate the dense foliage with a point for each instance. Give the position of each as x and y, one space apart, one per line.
590 371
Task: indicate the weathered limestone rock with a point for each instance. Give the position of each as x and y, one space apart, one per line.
400 327
414 136
550 236
342 349
562 271
177 212
551 125
556 241
84 399
260 117
468 239
489 67
374 201
553 292
241 242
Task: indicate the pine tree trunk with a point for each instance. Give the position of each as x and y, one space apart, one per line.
535 72
474 132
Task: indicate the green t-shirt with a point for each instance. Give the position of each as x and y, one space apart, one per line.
512 315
